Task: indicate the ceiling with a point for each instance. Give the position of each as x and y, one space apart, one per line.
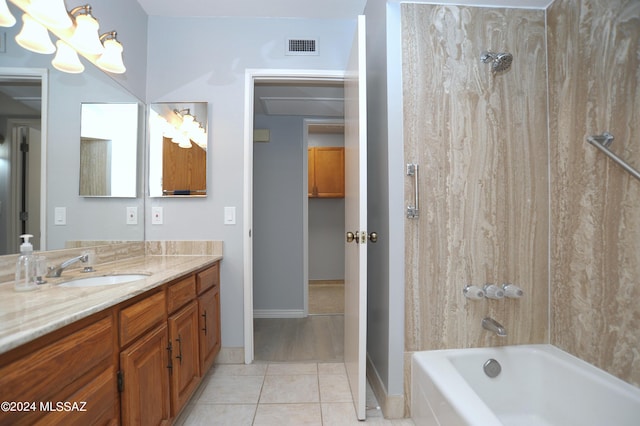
325 9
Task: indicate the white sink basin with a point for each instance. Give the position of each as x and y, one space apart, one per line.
103 280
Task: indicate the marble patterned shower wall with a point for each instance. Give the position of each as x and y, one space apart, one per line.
594 75
480 140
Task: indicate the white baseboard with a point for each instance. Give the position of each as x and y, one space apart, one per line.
278 313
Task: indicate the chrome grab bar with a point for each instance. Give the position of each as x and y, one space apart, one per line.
602 142
414 210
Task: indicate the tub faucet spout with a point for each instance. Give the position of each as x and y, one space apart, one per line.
494 326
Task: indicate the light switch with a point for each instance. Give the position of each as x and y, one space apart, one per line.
132 215
157 216
60 216
229 215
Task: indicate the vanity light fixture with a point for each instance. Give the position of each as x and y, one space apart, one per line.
66 59
6 18
76 30
52 13
111 59
189 130
34 36
85 38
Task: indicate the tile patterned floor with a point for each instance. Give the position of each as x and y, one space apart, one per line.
278 394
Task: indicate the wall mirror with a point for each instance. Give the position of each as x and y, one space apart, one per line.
44 104
108 149
178 149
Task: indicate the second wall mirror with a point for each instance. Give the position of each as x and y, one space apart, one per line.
178 149
108 148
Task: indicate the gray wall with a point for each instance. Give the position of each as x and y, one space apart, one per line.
181 71
326 225
385 305
278 195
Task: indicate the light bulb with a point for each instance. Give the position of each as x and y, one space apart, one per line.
66 59
6 18
52 13
34 36
85 37
111 59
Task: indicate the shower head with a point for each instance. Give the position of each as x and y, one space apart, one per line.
499 61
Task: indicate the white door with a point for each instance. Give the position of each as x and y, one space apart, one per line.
355 310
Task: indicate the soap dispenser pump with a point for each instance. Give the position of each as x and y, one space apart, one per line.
25 267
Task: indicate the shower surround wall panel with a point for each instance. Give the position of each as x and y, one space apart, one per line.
594 75
481 143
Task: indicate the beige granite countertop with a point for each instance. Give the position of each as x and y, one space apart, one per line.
25 316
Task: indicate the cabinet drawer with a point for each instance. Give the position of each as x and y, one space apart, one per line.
181 293
96 403
137 318
51 373
208 278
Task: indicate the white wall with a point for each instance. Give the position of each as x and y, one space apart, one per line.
204 59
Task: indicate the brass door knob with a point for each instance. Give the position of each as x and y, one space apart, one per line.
373 237
350 237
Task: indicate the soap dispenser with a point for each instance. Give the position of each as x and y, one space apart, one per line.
25 267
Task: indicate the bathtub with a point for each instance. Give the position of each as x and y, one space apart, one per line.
537 385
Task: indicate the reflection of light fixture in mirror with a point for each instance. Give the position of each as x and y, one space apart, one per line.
111 59
85 38
191 128
52 13
78 28
6 18
66 59
185 143
34 36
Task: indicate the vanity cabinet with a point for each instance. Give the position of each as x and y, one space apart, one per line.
75 365
144 362
162 369
184 338
144 380
136 363
326 172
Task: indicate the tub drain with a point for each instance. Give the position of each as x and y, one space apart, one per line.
492 368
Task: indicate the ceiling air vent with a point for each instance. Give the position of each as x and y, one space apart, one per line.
297 46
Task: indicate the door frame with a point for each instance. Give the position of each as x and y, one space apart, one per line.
253 76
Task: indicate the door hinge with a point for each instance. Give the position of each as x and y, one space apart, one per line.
120 381
24 147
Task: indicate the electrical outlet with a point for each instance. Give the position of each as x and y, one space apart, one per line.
132 215
157 216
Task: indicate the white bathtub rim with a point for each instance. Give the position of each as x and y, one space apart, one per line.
437 365
453 387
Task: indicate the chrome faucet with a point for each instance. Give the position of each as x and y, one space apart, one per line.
494 326
56 271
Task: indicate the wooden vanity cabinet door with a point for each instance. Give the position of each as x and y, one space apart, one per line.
145 391
328 172
62 371
185 375
210 342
